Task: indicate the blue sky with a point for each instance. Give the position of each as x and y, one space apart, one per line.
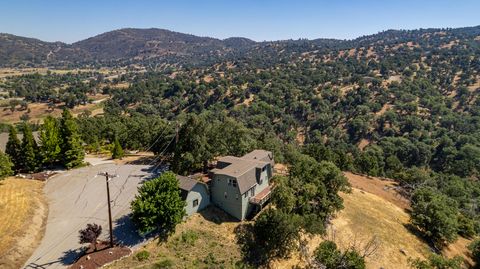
70 21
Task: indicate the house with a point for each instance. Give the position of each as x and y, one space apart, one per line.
195 193
241 185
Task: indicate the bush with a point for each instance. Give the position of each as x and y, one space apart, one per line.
328 256
142 255
189 237
436 261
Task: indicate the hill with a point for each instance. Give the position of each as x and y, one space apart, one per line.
147 46
124 46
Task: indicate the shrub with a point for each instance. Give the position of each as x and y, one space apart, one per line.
328 256
142 255
189 237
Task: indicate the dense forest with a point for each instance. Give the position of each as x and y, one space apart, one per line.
399 104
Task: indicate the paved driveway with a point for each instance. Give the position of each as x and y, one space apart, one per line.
78 197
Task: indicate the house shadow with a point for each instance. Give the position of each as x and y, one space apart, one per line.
216 215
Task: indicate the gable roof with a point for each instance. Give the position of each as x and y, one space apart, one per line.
186 183
244 168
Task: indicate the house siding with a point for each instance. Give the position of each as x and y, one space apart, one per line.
199 192
230 204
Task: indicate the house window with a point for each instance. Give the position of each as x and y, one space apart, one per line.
252 191
234 183
225 194
236 196
195 203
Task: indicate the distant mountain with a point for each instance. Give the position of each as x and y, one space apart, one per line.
16 50
125 46
146 43
116 46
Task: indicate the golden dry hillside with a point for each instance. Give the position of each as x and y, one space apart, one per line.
24 211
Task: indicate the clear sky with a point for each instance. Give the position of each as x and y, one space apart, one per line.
73 20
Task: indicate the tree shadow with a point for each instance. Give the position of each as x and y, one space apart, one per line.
71 256
252 253
415 231
125 232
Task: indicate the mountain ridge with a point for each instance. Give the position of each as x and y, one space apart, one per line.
129 45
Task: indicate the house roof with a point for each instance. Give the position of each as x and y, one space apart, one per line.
259 154
186 183
243 168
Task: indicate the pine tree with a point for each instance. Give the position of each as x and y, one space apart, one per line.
50 141
14 149
71 148
29 154
5 166
117 152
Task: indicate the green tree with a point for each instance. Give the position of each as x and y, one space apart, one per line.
50 141
275 234
5 166
330 257
311 191
436 261
158 205
117 152
14 149
474 248
71 148
435 215
30 157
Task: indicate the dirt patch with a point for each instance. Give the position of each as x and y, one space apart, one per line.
384 109
23 214
38 111
363 143
386 189
104 255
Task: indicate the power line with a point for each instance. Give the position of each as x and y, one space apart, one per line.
65 237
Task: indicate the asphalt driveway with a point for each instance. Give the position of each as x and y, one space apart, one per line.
78 197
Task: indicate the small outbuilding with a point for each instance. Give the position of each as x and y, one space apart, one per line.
194 193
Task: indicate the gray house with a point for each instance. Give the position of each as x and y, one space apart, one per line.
195 194
241 185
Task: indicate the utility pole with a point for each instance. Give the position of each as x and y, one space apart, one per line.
107 179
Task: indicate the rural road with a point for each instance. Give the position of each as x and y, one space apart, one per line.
78 197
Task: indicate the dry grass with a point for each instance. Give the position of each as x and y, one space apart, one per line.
214 247
23 212
367 215
7 72
38 111
363 143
